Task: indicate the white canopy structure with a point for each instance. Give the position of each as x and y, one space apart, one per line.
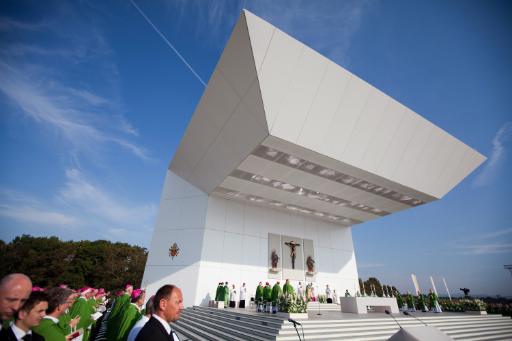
285 142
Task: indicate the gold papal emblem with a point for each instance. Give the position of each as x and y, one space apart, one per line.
174 251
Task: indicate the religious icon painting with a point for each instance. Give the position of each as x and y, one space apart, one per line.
174 251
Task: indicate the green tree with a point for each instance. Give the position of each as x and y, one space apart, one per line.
50 262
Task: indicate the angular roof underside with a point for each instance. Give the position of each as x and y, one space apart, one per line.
283 126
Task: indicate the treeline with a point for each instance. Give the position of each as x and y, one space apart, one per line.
50 261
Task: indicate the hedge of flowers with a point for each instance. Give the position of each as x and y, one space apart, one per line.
460 305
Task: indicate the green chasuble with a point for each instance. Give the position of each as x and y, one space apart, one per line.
82 308
217 293
226 296
119 304
267 293
276 292
259 293
114 318
64 320
50 330
127 319
399 300
288 289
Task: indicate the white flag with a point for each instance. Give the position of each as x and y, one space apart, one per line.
415 282
433 285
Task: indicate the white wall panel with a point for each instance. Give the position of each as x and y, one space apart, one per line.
308 74
395 150
260 34
387 128
433 160
232 253
365 128
323 109
277 71
251 251
413 152
213 246
169 214
340 129
216 213
237 61
234 216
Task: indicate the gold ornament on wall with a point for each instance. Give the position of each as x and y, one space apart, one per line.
174 251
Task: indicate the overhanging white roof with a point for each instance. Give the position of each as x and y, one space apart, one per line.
281 125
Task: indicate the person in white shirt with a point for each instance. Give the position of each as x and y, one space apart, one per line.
28 317
300 290
140 323
328 293
168 304
243 292
232 297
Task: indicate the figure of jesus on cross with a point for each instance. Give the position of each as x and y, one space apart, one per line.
292 244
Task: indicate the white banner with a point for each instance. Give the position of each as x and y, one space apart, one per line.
448 291
433 285
415 282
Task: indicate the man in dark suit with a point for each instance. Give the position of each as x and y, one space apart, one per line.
27 317
14 291
168 303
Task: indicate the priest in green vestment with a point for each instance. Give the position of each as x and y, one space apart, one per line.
59 299
259 293
226 295
119 305
267 293
287 288
131 314
218 292
276 292
82 308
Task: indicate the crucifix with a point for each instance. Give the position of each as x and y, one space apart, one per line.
292 244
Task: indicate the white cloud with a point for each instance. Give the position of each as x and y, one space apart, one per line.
26 209
82 194
483 249
70 111
488 173
326 26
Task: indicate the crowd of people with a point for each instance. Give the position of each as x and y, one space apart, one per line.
60 313
267 295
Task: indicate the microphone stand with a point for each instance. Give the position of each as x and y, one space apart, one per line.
295 326
389 313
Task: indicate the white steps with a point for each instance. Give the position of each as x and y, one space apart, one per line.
202 323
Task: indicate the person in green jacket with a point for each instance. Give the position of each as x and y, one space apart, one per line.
422 303
258 297
226 295
131 314
119 305
287 288
59 299
411 304
276 292
399 300
218 292
267 293
82 308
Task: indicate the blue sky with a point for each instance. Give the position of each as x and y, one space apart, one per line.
93 104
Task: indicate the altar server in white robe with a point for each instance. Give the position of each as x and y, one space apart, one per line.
243 292
232 297
300 290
